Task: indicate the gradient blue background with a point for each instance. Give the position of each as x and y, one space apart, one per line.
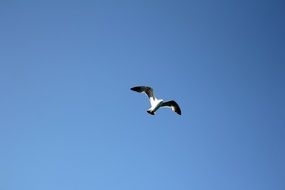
68 120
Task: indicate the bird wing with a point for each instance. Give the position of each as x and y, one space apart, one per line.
148 91
144 89
173 105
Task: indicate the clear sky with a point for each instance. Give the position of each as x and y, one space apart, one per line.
68 120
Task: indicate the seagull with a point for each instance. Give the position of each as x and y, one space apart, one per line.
156 103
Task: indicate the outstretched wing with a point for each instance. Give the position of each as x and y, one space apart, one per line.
144 89
173 105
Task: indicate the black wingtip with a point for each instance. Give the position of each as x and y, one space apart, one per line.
177 108
178 111
136 88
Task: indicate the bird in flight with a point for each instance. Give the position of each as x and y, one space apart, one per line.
156 103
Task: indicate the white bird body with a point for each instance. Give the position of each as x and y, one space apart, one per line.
155 104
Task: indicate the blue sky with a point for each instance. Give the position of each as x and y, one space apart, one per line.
69 120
